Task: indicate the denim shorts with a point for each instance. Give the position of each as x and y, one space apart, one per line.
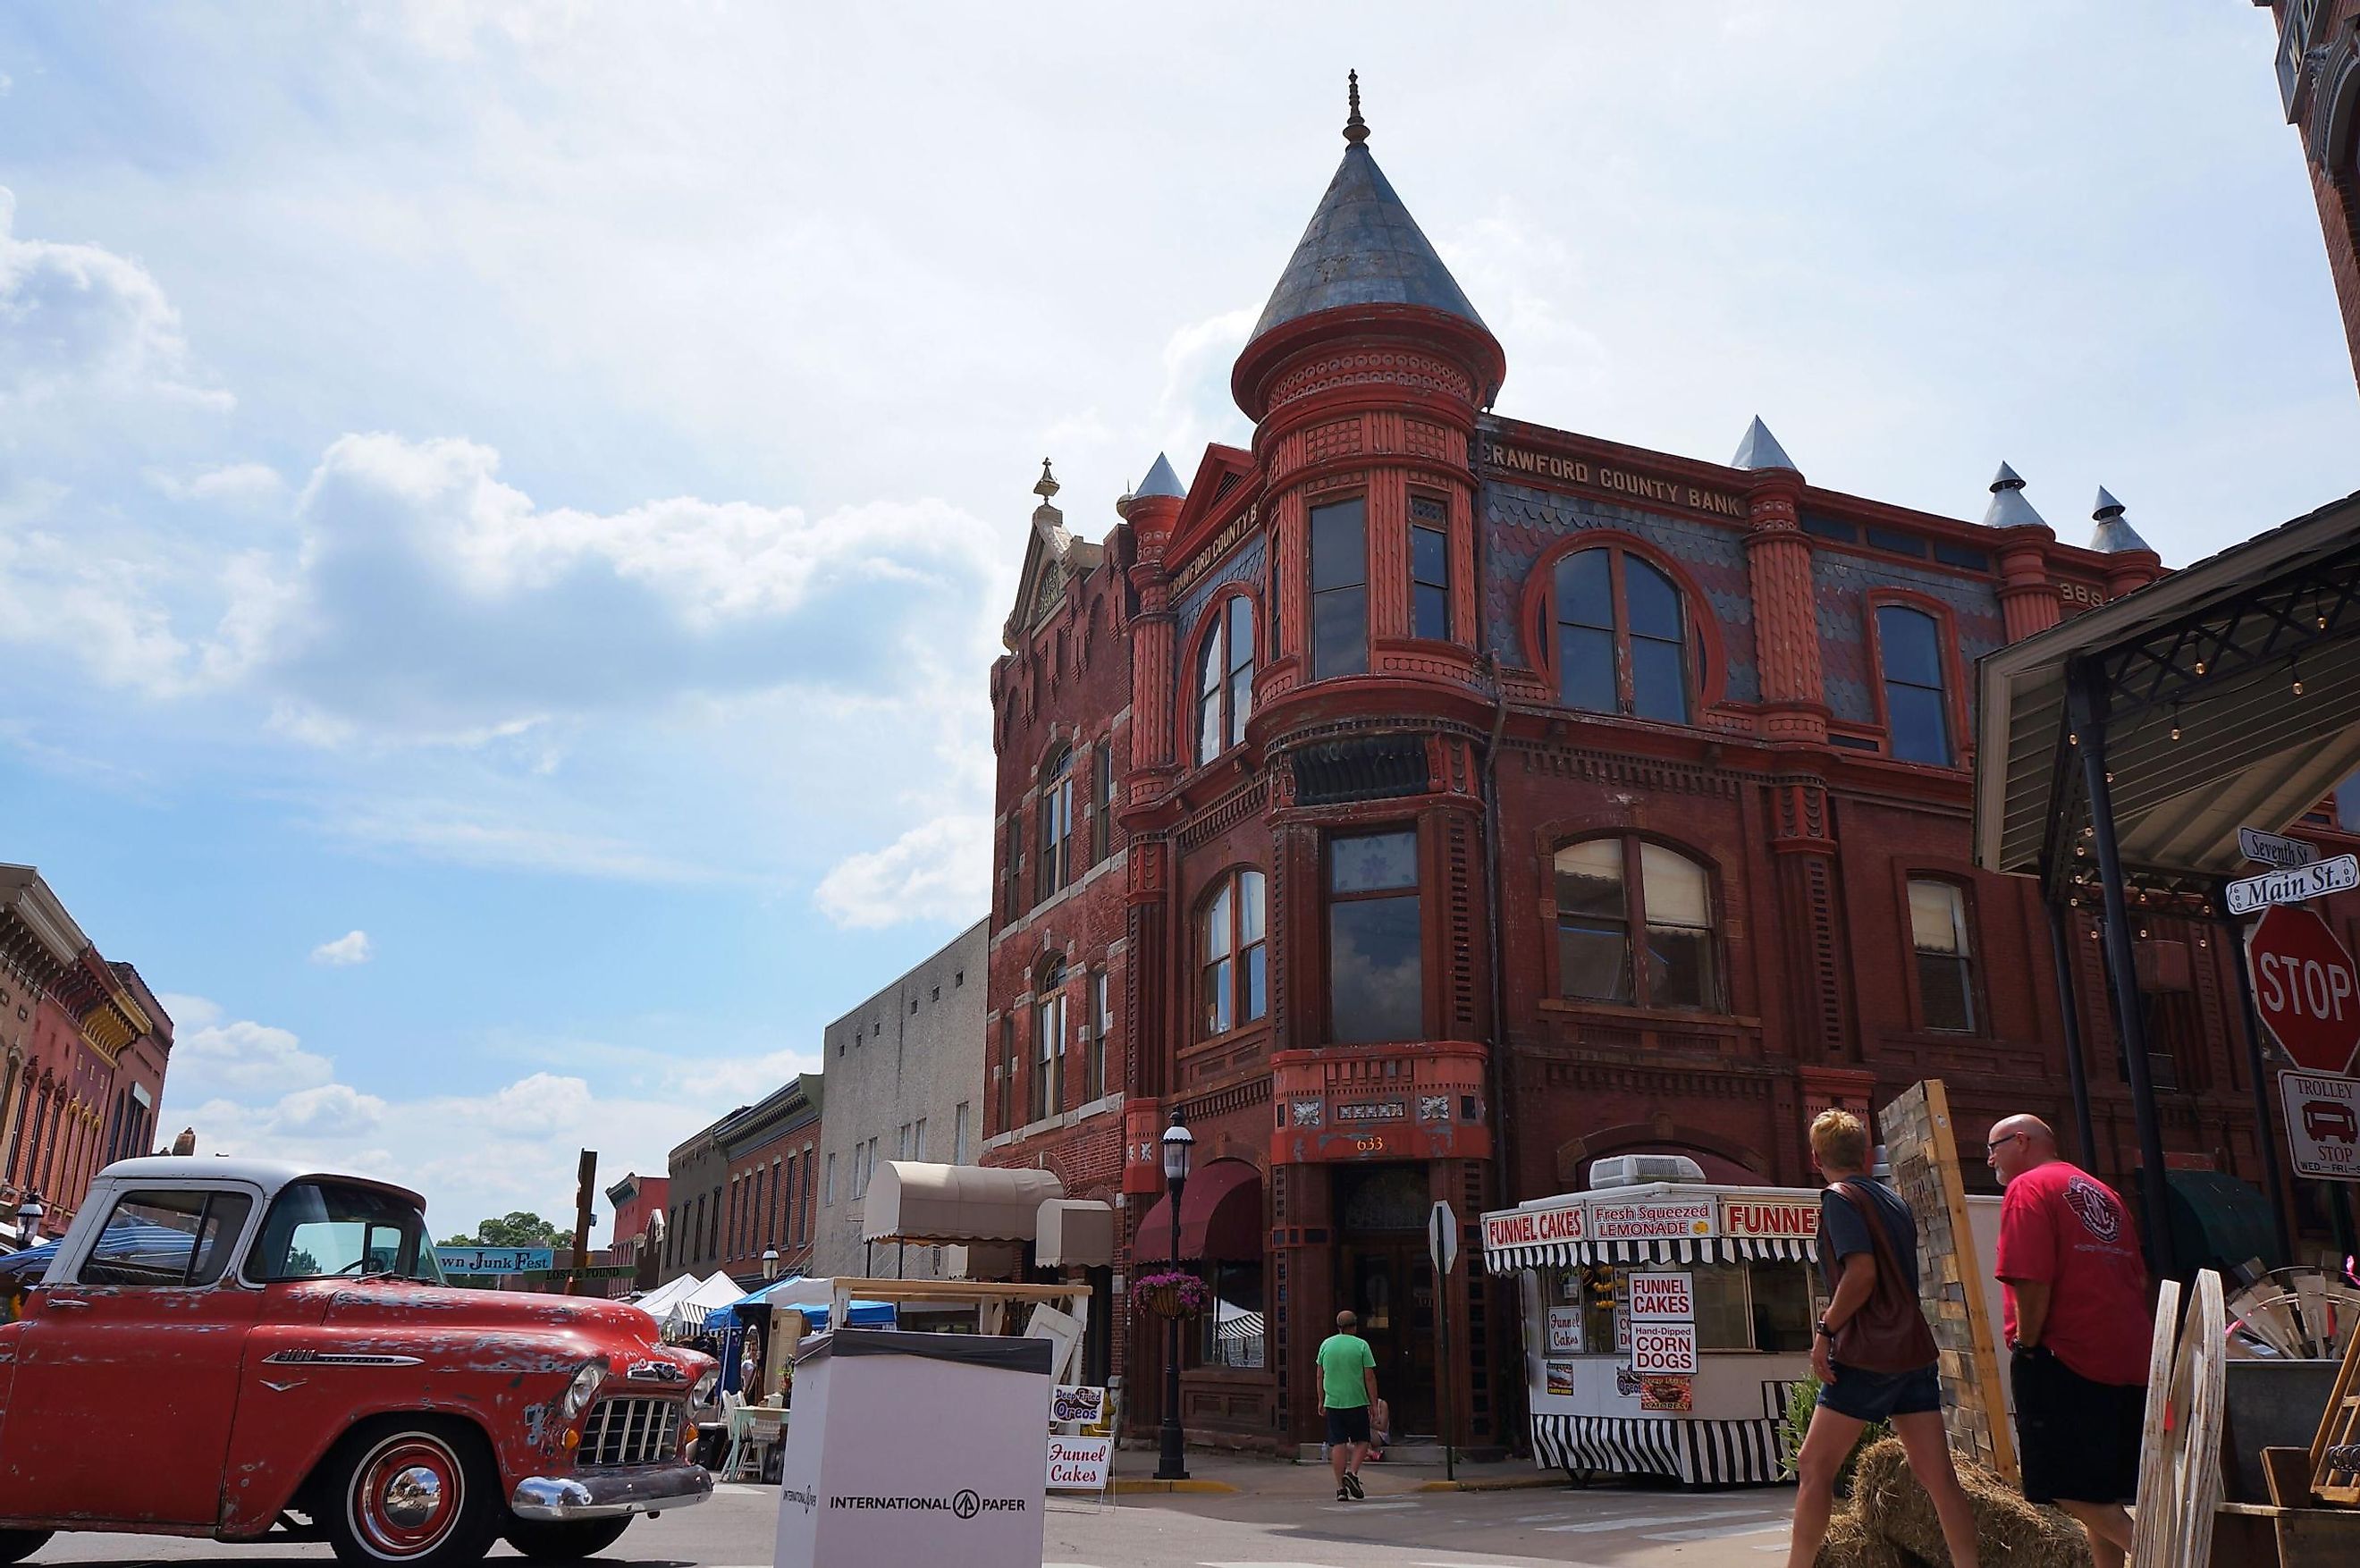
1867 1396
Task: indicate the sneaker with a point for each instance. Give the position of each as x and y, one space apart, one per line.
1352 1485
1343 1494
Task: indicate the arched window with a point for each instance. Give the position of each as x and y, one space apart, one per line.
1917 710
1049 1052
1233 974
1946 969
1619 632
1056 822
1225 681
1634 923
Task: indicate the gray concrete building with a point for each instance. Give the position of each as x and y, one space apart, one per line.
904 1081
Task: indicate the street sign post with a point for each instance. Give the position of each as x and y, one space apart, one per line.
2295 883
2274 849
2323 1118
2305 987
1442 1245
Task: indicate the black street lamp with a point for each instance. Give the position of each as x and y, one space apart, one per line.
29 1214
1179 1142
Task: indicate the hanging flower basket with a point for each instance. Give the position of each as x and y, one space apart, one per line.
1171 1295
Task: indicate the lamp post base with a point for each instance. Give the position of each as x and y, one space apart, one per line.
1172 1463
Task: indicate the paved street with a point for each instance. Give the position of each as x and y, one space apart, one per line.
1268 1527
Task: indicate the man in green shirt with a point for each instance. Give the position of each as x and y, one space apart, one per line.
1347 1386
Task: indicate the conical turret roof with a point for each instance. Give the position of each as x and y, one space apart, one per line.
1160 480
2114 532
1760 449
1361 248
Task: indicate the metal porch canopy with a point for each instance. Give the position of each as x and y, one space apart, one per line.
917 1201
2213 651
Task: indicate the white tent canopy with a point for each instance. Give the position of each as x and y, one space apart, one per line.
687 1315
664 1297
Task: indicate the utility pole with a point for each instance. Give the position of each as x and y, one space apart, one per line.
585 1185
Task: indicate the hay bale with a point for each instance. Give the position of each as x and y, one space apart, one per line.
2009 1532
1852 1544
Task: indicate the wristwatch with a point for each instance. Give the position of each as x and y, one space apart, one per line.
1822 1327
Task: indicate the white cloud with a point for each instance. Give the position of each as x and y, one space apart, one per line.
79 317
245 486
352 947
216 1059
940 870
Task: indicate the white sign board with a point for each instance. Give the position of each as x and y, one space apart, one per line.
2322 1125
1077 1402
1662 1298
1565 1331
1442 1236
1663 1347
2295 883
2274 849
1662 1220
1079 1463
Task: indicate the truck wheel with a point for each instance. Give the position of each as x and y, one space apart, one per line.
15 1545
420 1494
565 1540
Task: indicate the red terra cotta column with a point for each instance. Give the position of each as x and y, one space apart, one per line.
1785 615
2027 595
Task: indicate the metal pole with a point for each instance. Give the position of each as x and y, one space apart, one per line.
1173 1462
2076 1066
2265 1133
1442 1371
2122 963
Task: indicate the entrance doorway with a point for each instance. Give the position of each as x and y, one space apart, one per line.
1385 1274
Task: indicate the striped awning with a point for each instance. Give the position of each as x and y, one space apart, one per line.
1679 1249
1681 1447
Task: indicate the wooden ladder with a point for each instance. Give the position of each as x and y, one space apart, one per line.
2335 1452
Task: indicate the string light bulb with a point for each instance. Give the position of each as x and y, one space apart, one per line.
2175 721
2298 678
2200 666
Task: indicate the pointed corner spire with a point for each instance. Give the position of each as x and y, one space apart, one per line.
2009 507
1161 481
1760 449
2113 533
1048 487
1356 129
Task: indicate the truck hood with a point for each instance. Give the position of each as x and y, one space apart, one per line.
521 1332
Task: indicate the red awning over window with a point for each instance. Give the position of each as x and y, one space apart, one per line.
1221 1217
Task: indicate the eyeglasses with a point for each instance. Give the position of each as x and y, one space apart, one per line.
1992 1147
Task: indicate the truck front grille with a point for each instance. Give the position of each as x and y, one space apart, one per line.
631 1431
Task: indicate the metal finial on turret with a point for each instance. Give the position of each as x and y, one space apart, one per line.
1048 486
1356 129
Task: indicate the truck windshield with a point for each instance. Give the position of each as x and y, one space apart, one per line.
319 1230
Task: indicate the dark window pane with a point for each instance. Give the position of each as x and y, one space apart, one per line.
1372 862
1431 612
1830 528
1257 983
1339 632
1241 649
1654 603
1338 555
1217 997
1429 555
1921 731
1960 555
1593 960
1911 645
1899 543
1679 967
1943 988
1240 703
1585 592
1374 977
1589 879
1659 686
1585 668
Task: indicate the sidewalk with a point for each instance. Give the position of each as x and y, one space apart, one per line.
1252 1475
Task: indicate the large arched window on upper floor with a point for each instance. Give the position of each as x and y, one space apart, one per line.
1056 822
1635 925
1620 635
1225 680
1917 705
1049 1052
1232 963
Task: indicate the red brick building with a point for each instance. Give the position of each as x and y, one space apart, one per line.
2318 85
770 1198
1424 803
83 1051
638 1202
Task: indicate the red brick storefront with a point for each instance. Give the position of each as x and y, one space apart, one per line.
1489 799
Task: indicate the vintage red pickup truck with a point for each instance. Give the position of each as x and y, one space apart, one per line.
240 1348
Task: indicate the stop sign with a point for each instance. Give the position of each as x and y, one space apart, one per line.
2305 987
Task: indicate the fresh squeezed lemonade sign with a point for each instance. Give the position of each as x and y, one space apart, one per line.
1668 1220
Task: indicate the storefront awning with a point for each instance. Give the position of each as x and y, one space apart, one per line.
1220 1217
2219 1221
1658 1222
1683 1249
911 1200
1074 1232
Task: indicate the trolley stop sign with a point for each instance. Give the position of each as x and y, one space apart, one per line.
2305 988
2322 1125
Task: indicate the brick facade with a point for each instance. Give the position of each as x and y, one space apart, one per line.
2319 82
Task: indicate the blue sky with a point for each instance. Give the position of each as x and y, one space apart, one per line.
538 484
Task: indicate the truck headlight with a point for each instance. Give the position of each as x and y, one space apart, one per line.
701 1394
584 1387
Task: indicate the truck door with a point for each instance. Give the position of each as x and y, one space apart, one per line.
127 1366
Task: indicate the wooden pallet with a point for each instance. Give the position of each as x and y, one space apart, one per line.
2335 1452
2180 1461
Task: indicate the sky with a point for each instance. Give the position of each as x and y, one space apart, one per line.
507 510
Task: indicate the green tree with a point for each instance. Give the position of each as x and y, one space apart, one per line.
517 1228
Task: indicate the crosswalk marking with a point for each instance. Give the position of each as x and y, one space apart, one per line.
1591 1526
1720 1532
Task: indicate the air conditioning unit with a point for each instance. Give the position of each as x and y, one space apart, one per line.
1632 1169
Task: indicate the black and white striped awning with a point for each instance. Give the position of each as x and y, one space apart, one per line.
1677 1446
1675 1249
